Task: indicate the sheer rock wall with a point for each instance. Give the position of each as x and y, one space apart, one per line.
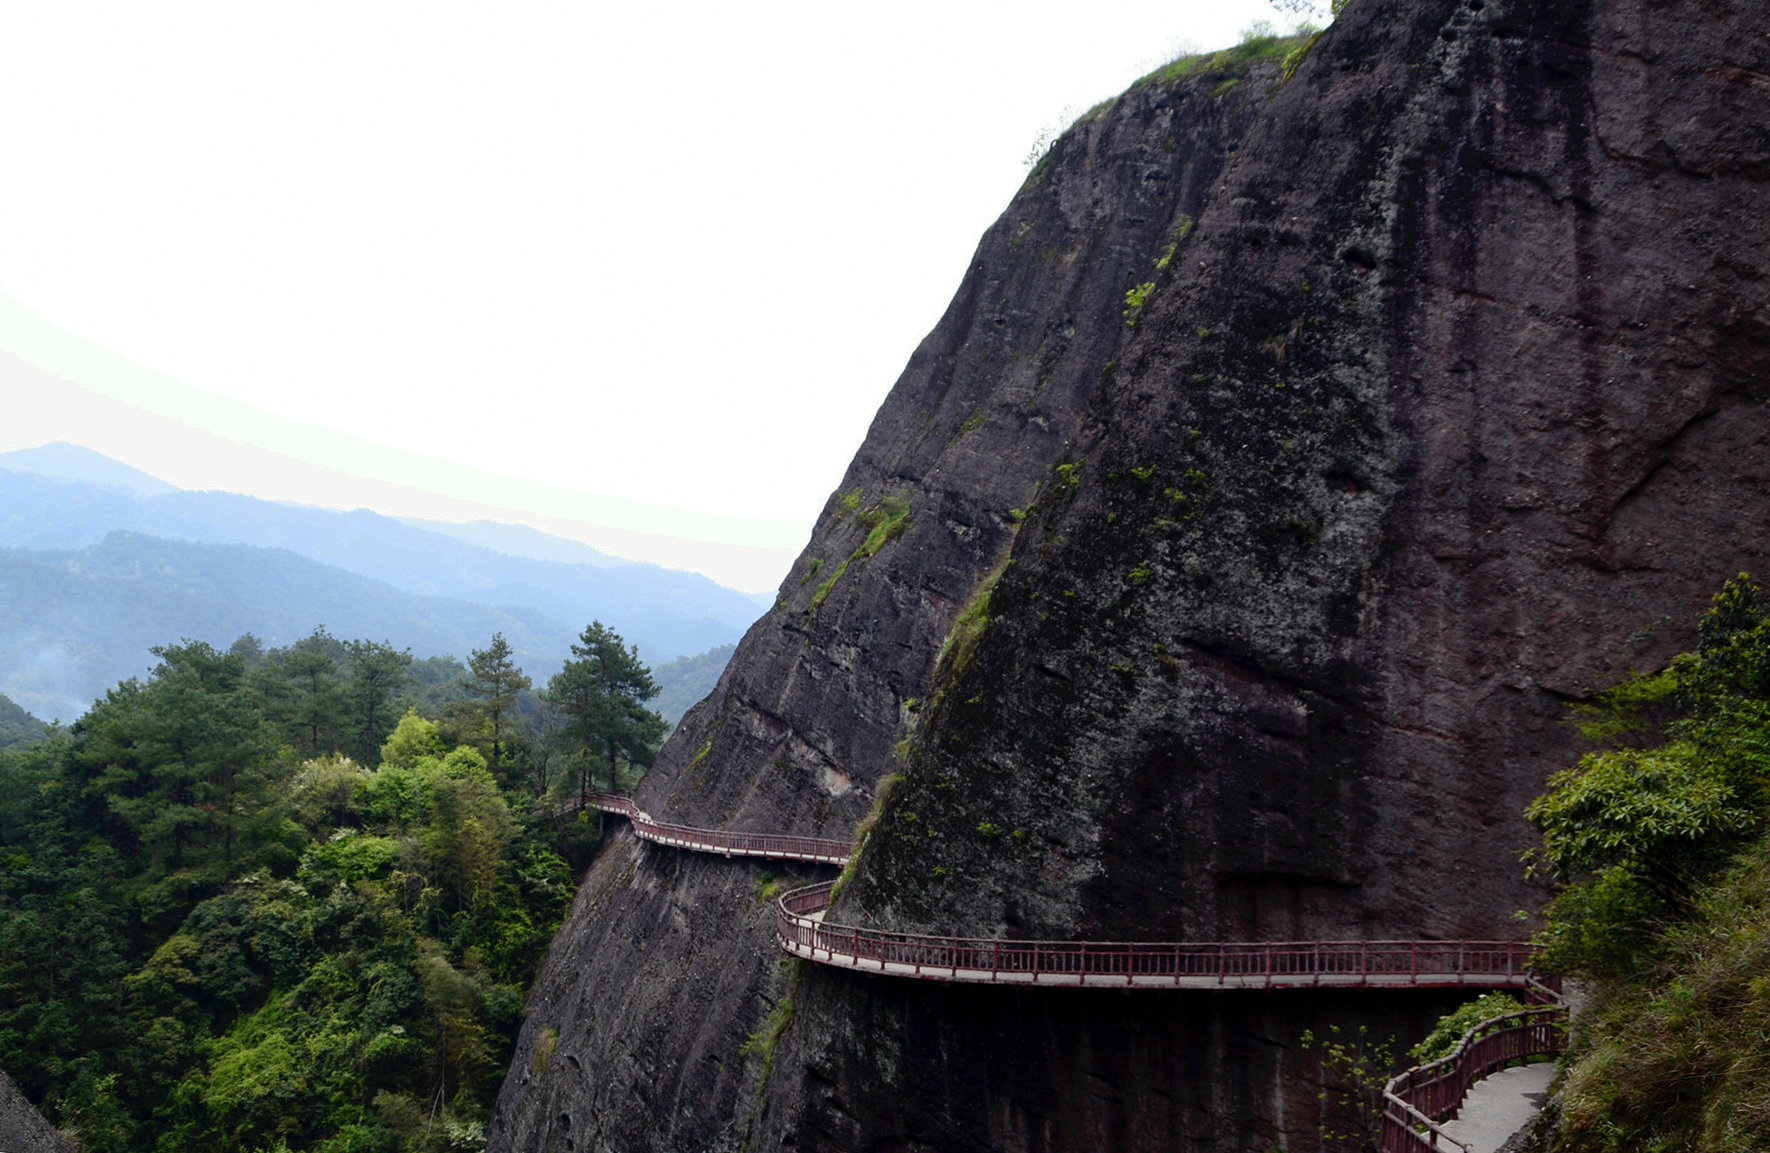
667 964
1447 407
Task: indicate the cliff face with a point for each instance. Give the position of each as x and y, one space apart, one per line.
1450 410
636 1036
22 1128
1444 405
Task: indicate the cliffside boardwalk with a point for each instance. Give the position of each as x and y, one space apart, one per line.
1415 1101
801 930
777 846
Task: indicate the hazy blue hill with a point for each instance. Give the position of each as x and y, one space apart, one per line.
521 540
39 513
63 461
685 680
73 623
666 612
17 727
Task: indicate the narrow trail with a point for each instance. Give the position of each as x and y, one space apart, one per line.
1417 1102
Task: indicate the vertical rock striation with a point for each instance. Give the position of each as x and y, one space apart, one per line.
1440 401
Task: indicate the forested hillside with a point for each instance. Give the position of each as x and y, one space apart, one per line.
17 727
685 680
292 898
74 622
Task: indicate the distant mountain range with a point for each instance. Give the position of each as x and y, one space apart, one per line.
99 561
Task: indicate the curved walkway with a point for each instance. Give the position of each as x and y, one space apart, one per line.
1498 1106
800 927
801 930
1416 1102
777 846
1430 1106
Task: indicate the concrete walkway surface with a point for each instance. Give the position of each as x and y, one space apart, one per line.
1500 1105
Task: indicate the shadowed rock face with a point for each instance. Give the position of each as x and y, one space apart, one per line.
22 1128
1446 407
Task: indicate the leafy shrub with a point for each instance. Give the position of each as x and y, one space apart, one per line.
1445 1036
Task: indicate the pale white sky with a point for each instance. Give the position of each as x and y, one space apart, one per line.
639 274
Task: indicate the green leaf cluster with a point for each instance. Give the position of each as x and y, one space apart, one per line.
1674 1059
1445 1036
1632 831
598 700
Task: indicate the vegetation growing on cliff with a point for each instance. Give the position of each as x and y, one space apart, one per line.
1231 65
885 520
1664 905
220 930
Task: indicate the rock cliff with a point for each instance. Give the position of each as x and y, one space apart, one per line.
1220 567
22 1128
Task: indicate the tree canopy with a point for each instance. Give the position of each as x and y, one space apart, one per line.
1632 830
264 899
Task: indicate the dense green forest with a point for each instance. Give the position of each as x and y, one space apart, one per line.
1660 841
293 898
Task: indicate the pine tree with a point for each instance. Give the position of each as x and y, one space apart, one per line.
495 680
599 698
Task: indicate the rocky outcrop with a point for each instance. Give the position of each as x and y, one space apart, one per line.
22 1128
1246 606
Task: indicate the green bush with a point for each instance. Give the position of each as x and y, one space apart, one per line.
1664 899
1445 1036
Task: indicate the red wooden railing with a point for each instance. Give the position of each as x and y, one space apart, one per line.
780 846
1415 1102
801 929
